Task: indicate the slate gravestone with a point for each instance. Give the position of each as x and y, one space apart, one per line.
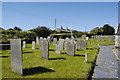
111 38
45 49
40 42
83 44
61 43
58 49
86 57
78 44
65 43
16 56
54 41
37 40
33 44
24 44
71 48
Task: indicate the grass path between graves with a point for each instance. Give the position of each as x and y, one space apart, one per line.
58 65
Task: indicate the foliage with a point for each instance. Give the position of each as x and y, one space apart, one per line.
41 31
105 30
17 28
108 30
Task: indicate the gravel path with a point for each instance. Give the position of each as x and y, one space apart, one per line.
106 64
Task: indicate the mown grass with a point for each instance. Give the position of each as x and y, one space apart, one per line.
58 65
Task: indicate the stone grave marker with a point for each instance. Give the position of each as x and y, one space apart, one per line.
45 48
37 40
16 56
24 44
58 49
71 48
54 41
86 57
33 44
83 44
111 38
87 38
61 43
78 44
65 43
40 42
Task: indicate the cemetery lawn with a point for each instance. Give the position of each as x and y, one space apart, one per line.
58 65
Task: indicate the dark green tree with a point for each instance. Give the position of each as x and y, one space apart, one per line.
97 31
17 28
108 30
41 31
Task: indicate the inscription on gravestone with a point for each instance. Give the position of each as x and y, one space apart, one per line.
45 49
16 56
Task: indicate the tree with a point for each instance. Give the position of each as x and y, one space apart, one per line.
97 31
41 31
17 28
10 29
108 30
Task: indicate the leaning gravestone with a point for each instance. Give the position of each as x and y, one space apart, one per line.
24 44
71 48
83 44
54 41
33 44
45 48
16 56
37 40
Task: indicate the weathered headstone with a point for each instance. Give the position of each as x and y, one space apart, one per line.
16 56
71 48
37 40
45 48
83 44
65 43
54 41
48 38
61 43
33 44
78 44
86 57
24 44
40 42
58 49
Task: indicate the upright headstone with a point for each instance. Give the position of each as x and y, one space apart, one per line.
37 40
58 49
24 44
78 44
65 43
71 48
40 42
86 57
83 44
61 43
45 49
48 38
33 44
16 56
54 41
87 38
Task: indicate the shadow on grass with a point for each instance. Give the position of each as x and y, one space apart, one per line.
63 53
51 50
79 50
89 48
36 70
27 52
56 58
4 56
79 55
